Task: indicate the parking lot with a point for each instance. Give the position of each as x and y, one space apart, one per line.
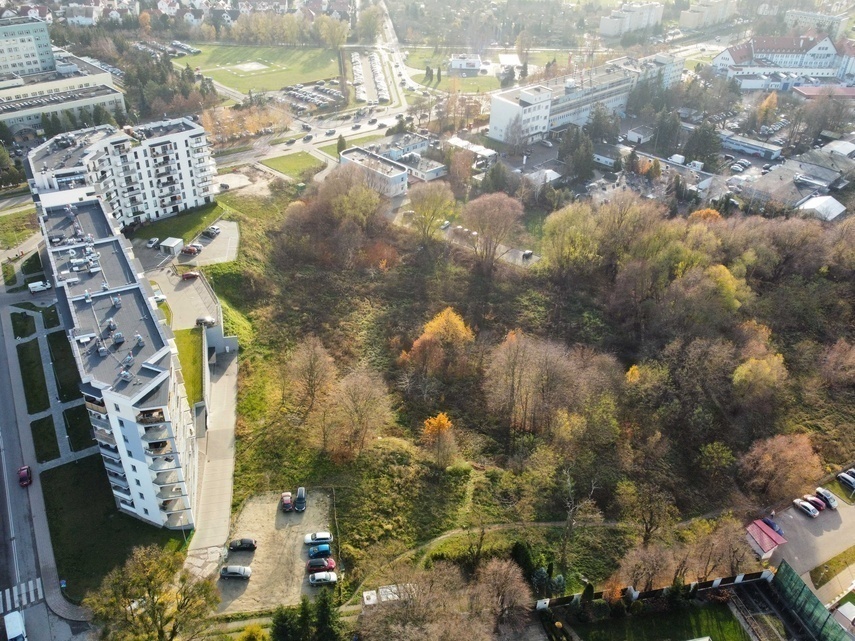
220 249
279 564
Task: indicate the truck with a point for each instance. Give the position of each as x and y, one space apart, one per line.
39 286
678 159
697 165
15 630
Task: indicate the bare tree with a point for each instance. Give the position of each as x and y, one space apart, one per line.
502 593
432 202
647 507
781 467
360 407
514 136
581 512
494 218
313 373
645 568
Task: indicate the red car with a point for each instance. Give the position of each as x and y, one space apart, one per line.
817 502
189 249
287 503
189 275
25 476
320 565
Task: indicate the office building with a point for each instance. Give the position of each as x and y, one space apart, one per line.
707 13
803 21
127 360
631 17
534 112
384 175
25 46
151 172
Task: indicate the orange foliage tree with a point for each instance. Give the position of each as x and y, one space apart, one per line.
442 348
439 437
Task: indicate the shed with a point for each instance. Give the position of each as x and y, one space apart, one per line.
640 135
824 207
845 616
763 539
172 246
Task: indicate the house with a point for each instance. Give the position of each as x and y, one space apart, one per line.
225 17
465 62
763 539
640 135
824 207
607 155
40 11
168 7
192 17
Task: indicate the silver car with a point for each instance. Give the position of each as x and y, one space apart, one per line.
236 572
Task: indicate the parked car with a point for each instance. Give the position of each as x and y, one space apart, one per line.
546 143
818 503
445 225
286 503
773 525
307 137
318 537
159 298
848 481
212 231
236 572
320 551
729 157
320 565
152 243
306 127
206 321
738 169
323 578
291 141
198 246
806 507
356 126
189 275
187 249
243 545
372 121
330 132
25 476
827 497
300 503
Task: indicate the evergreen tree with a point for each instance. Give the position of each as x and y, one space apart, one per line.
284 625
56 123
438 75
632 162
703 144
327 625
428 74
341 145
6 134
583 158
524 70
305 620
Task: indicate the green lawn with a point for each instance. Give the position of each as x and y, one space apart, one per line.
32 264
713 621
478 84
820 576
840 491
294 165
332 149
44 439
849 598
90 536
186 225
23 325
280 65
16 228
284 139
64 367
167 311
33 376
232 150
50 315
10 276
189 342
78 427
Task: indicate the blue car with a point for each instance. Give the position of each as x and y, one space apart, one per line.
320 551
773 525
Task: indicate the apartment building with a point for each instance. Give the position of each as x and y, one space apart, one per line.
151 172
535 111
25 46
127 359
803 21
631 17
384 175
707 13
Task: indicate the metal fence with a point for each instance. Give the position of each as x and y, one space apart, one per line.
806 606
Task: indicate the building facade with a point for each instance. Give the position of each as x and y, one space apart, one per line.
384 175
533 112
127 359
707 13
25 46
802 21
631 17
151 172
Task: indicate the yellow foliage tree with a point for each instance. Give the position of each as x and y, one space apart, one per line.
768 109
438 435
441 349
705 216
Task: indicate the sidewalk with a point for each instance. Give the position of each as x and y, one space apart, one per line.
836 587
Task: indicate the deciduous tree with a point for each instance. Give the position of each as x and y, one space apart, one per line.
646 507
313 373
503 593
432 202
438 435
781 467
494 217
360 407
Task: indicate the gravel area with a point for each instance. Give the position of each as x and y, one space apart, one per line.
279 564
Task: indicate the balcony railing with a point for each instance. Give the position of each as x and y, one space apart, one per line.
178 521
103 436
170 477
113 465
164 463
155 434
174 505
118 479
160 449
173 492
95 407
151 418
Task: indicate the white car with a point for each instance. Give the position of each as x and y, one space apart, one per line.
316 538
159 298
738 169
806 507
323 578
445 225
152 243
198 246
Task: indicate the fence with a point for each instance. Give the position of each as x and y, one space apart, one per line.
806 606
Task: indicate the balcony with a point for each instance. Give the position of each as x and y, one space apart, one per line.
154 434
112 465
118 479
164 463
99 420
170 477
198 142
160 448
178 521
179 504
103 436
161 150
100 408
151 418
173 492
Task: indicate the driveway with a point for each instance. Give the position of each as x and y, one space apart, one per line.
221 249
279 564
188 299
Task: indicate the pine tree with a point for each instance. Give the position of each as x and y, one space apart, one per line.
305 620
341 145
327 627
284 625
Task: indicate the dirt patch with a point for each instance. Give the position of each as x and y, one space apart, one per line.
279 564
259 182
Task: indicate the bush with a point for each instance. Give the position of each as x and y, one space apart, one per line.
521 553
588 593
597 610
618 609
636 608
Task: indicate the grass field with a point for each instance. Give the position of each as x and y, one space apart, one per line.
713 621
294 165
276 67
64 367
44 439
32 264
820 575
16 228
189 342
23 325
478 84
33 376
10 276
90 536
332 149
840 491
50 316
185 226
78 427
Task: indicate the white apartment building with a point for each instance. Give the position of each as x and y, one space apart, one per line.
631 17
127 359
25 46
384 175
537 110
153 171
707 13
465 62
822 23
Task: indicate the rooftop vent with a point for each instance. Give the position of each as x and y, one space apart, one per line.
126 375
140 340
118 338
117 300
111 324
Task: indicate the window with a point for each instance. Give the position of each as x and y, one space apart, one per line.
115 405
138 482
142 496
134 468
121 423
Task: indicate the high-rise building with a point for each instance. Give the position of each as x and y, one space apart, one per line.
631 17
822 23
25 46
150 172
707 13
127 359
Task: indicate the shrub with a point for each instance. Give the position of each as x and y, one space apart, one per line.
521 553
588 592
597 610
618 609
636 608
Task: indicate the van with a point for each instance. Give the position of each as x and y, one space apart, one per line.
15 631
40 286
300 501
546 143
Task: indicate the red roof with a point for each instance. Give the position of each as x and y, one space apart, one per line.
784 44
767 539
845 93
741 53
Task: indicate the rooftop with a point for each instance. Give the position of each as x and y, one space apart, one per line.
167 127
808 92
67 150
373 161
45 103
8 22
825 207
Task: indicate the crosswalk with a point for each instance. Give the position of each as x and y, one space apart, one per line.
21 595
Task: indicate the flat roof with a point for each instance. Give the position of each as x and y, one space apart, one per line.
46 102
84 69
378 163
52 156
726 134
166 127
7 22
821 90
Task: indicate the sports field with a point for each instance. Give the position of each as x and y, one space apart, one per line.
262 68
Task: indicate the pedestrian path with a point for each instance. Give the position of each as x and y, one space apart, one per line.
22 595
